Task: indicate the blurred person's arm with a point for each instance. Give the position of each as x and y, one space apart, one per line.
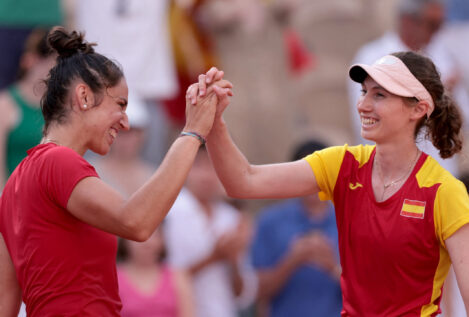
228 247
8 117
237 282
212 258
242 237
458 251
221 252
185 296
10 298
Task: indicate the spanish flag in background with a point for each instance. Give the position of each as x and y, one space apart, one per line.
413 209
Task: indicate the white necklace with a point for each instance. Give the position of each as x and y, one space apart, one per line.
397 181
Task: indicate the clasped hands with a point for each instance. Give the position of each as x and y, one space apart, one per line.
206 100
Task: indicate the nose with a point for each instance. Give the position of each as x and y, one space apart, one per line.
124 123
364 104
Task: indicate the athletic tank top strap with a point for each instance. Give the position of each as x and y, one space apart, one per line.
27 131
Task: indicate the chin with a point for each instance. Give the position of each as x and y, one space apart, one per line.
101 150
368 136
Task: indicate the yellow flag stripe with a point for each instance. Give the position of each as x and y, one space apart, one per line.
413 208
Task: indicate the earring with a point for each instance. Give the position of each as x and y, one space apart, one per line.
85 106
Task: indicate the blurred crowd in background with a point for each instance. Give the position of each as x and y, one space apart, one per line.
288 61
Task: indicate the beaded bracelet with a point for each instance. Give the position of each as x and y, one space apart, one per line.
195 135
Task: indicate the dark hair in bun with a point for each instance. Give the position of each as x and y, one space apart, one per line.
77 60
67 44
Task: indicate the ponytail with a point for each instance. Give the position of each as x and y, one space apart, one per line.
444 125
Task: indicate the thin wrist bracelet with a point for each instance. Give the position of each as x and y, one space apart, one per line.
195 135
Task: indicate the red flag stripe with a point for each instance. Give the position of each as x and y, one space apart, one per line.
414 202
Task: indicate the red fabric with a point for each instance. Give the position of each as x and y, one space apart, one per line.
163 302
65 267
176 107
392 273
299 58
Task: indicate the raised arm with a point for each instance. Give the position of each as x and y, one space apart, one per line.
97 204
239 177
244 180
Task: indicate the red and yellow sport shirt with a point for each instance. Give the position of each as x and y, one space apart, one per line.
393 252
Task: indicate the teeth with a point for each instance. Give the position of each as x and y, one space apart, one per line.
368 121
113 133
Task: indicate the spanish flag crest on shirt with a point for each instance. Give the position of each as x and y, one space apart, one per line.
413 209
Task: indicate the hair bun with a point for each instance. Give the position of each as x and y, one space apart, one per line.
67 44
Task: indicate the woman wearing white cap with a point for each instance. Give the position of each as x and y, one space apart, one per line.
401 217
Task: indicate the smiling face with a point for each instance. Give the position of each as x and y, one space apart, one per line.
108 118
384 116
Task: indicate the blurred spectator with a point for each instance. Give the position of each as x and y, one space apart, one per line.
295 253
208 237
458 11
17 19
21 121
455 36
192 23
192 48
147 286
418 23
135 32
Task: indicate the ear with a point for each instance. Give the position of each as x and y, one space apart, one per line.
420 110
84 96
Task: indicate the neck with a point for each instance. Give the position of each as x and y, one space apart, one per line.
393 161
123 159
65 135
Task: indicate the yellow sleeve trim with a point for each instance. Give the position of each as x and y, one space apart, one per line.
326 165
451 208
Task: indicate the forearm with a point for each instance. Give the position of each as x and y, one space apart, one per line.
273 279
231 165
199 266
147 208
236 279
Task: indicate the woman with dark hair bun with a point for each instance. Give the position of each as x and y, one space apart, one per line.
402 219
58 220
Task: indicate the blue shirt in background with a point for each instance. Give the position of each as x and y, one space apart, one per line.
309 291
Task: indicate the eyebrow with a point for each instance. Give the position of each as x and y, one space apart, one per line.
123 99
117 97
